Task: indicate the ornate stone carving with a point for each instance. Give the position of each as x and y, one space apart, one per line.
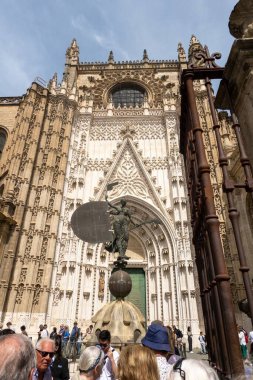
19 296
241 20
129 178
101 285
112 130
36 295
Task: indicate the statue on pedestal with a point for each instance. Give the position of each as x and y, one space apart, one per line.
121 222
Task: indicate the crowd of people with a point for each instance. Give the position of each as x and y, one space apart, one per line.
153 359
158 357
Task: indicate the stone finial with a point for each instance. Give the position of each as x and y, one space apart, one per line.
145 56
194 48
52 85
181 53
194 40
72 53
63 87
241 20
111 57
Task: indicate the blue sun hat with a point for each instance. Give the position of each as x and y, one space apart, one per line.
157 338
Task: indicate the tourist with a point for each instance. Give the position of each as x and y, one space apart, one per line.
137 362
9 326
61 330
242 341
111 356
179 342
74 333
79 343
44 332
45 349
191 369
53 334
88 333
251 342
202 341
59 365
157 339
73 340
23 330
65 339
41 327
189 334
91 363
17 357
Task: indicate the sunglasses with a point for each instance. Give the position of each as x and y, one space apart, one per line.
177 368
45 353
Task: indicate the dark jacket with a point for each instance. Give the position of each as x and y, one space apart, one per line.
60 369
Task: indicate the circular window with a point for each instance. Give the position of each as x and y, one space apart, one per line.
128 95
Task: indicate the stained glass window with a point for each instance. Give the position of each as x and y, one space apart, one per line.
128 95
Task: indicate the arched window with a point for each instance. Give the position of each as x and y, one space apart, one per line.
128 95
3 138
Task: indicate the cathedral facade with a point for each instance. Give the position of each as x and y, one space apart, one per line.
61 145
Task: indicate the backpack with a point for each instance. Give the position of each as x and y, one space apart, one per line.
179 333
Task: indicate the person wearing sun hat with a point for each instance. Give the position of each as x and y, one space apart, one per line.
157 339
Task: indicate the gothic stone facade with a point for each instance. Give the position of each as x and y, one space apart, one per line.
64 144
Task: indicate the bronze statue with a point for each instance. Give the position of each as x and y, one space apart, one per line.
122 220
121 228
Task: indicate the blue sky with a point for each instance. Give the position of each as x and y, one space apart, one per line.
34 35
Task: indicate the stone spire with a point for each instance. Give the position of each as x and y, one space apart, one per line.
181 53
111 57
194 48
72 53
145 56
52 85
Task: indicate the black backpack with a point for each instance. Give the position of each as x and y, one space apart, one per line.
179 333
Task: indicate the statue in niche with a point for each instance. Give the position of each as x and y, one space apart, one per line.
101 285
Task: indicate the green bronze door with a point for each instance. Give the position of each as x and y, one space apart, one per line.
138 292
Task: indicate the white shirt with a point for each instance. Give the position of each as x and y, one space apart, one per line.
107 369
242 338
44 334
251 336
163 367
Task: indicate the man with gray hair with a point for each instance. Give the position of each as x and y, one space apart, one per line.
45 349
17 357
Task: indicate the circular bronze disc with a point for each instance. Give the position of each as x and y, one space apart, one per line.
90 222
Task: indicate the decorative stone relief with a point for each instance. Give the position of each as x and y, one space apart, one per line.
36 295
113 130
19 296
129 178
29 243
101 285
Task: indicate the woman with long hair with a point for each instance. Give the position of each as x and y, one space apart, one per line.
59 365
137 362
90 364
